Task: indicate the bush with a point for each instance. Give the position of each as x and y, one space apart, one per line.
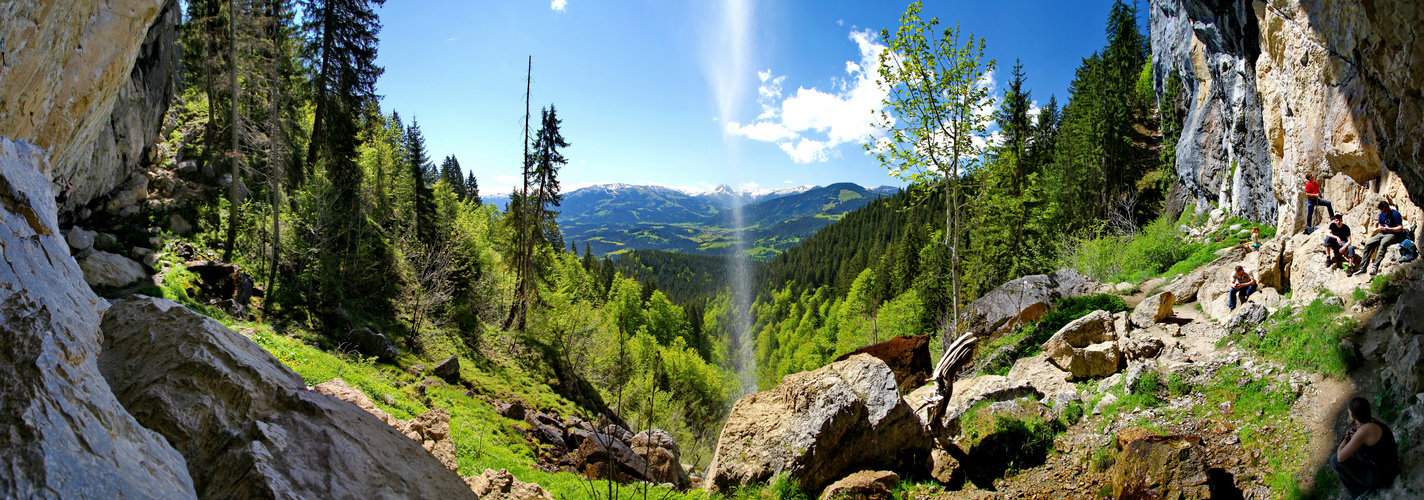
1071 308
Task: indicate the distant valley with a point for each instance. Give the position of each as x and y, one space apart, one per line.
616 218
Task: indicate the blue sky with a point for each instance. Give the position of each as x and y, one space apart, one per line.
687 93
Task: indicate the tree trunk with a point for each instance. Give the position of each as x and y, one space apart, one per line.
232 186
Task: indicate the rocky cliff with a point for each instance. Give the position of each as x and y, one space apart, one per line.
1284 88
87 81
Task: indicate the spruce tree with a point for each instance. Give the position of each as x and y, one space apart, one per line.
418 161
472 190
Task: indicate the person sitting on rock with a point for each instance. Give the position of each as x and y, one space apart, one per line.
1338 247
1368 458
1312 198
1241 284
1256 239
1391 231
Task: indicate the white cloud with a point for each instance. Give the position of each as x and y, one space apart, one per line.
559 5
811 123
788 182
761 131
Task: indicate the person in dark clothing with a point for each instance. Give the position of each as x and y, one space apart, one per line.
1312 198
1391 231
1242 284
1338 246
1368 458
65 189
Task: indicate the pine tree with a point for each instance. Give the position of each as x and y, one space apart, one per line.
418 161
472 190
450 171
341 49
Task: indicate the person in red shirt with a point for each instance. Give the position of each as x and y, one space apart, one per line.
1312 198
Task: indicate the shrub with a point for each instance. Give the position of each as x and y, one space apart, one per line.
1071 308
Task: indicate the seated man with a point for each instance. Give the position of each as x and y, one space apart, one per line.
1338 247
1368 458
1391 231
1241 284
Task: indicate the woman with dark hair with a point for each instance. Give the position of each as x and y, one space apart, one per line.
1368 458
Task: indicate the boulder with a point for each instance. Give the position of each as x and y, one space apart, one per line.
944 467
79 239
246 423
1271 269
130 194
1042 374
1185 289
223 281
373 343
817 425
604 457
514 410
67 436
109 269
663 457
1162 467
864 485
907 355
1025 299
991 448
501 485
1138 349
1245 318
448 370
178 225
187 167
1086 347
1152 310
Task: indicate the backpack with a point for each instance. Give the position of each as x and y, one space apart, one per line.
1408 251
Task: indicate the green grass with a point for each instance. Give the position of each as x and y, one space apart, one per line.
1004 443
1309 339
1001 366
1388 286
482 438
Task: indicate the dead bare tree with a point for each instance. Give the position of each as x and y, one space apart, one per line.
430 269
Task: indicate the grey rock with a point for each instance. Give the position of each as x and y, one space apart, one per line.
449 370
106 241
373 343
67 435
1246 317
178 225
187 167
1019 297
816 425
79 239
246 423
108 269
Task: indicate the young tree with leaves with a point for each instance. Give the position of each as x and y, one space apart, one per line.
933 118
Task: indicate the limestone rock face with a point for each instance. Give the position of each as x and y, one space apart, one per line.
108 269
816 426
89 81
67 435
1222 155
246 423
1152 310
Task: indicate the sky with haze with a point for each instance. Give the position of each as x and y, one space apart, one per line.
689 93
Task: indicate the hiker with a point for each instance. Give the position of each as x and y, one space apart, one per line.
1312 198
1368 458
1338 247
1391 231
1255 239
1241 284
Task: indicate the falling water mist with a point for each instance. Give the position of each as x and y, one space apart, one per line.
727 70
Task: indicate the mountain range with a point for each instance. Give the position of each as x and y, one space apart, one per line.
616 218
